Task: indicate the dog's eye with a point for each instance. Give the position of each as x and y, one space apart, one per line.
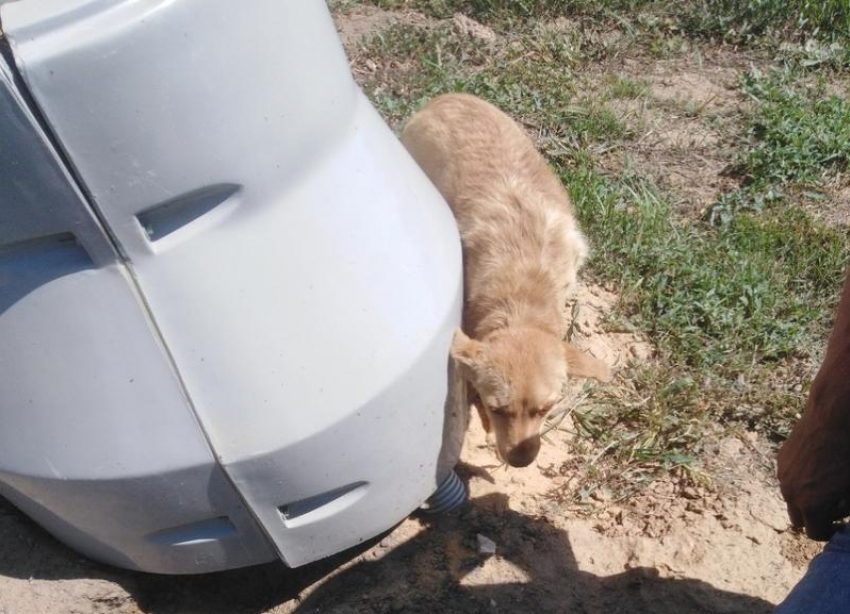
544 410
499 411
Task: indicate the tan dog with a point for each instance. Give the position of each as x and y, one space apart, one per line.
522 251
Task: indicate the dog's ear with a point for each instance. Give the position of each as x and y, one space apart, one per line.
580 364
466 351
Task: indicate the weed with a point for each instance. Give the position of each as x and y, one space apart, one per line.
740 21
711 297
797 135
655 419
795 139
533 79
729 309
625 88
745 19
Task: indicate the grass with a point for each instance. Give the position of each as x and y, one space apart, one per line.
730 301
724 18
797 139
727 307
710 297
533 77
624 88
746 19
737 304
823 25
654 421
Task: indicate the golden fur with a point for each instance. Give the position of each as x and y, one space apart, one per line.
522 252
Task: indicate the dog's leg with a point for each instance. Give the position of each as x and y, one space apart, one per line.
485 420
475 401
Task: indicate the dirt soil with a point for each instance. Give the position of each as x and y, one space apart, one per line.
724 548
680 137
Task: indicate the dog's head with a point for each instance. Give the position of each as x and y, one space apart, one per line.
519 375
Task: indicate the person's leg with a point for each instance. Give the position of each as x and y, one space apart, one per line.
825 589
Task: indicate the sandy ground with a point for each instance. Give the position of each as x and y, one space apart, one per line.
722 549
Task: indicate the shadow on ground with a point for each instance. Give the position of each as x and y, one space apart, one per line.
442 572
438 570
29 552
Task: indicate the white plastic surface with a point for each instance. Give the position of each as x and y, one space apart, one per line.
96 437
304 274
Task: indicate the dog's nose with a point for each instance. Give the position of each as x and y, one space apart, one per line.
524 454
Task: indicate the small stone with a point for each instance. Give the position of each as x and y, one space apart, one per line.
690 493
726 523
601 495
485 545
617 514
640 351
473 29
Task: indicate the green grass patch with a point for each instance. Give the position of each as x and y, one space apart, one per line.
745 19
496 11
797 137
741 19
624 88
732 310
737 310
756 289
661 23
654 421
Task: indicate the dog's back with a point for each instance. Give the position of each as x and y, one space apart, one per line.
515 218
